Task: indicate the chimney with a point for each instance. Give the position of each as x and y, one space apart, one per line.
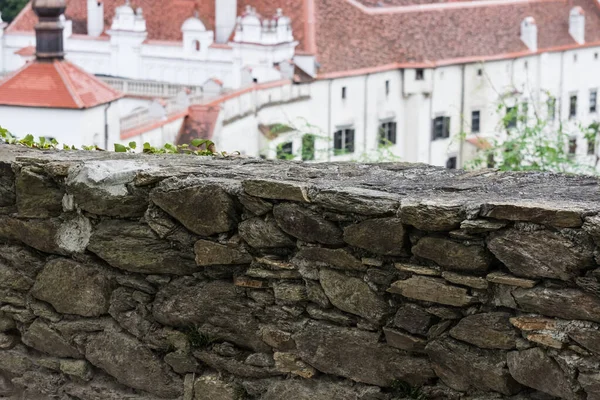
529 33
95 18
577 24
225 15
49 29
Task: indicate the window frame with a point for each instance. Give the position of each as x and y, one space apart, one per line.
344 92
573 106
419 74
345 137
551 105
513 121
282 150
388 133
475 128
594 104
572 150
443 122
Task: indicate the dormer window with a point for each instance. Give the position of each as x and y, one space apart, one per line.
196 45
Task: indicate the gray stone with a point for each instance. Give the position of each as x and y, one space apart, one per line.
22 259
233 366
357 200
131 363
465 368
138 249
333 258
318 390
562 303
315 293
438 329
130 314
42 338
383 236
188 302
278 339
74 288
255 205
6 323
330 315
589 284
413 319
260 360
539 212
435 290
13 279
211 253
481 225
353 295
432 215
327 347
540 254
264 234
418 269
534 369
488 331
276 189
104 188
507 279
453 255
211 387
591 384
291 363
13 297
270 274
587 337
8 341
181 362
306 225
78 368
166 227
137 283
289 291
15 361
38 196
404 341
465 280
7 185
202 207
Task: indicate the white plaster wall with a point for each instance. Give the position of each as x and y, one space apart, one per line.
157 137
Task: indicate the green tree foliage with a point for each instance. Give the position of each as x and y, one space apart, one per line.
10 8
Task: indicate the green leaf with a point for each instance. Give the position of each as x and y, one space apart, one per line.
132 145
119 148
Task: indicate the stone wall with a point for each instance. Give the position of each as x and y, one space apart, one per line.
153 277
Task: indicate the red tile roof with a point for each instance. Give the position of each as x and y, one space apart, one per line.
351 35
199 124
26 51
55 84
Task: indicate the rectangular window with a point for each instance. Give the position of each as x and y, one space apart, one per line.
511 117
451 163
308 147
387 135
420 74
475 121
573 106
593 100
343 141
441 128
387 87
344 92
572 145
285 151
591 146
551 109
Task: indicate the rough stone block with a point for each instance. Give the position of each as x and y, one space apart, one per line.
264 234
38 196
432 215
435 290
385 236
306 225
413 319
453 255
42 338
562 303
488 331
539 212
333 258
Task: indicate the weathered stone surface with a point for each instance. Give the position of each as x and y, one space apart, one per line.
74 288
547 339
181 362
589 283
291 363
353 295
211 387
188 302
106 188
481 225
465 280
562 303
540 254
15 361
202 207
591 384
507 279
540 212
463 367
534 323
453 255
488 331
41 337
533 368
588 338
276 189
278 339
132 364
260 360
13 279
418 269
138 249
77 368
233 366
326 347
8 341
55 236
211 253
290 291
137 283
404 341
270 274
333 258
432 215
332 315
7 185
6 323
38 196
355 200
318 390
385 236
413 319
255 205
306 225
264 234
432 289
